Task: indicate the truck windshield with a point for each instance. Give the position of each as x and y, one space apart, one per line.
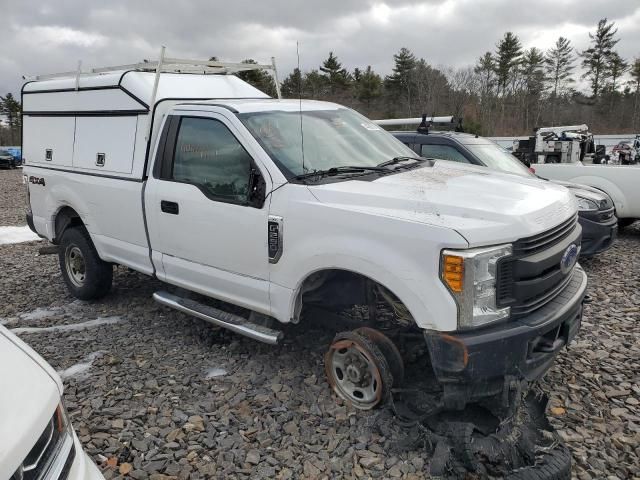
494 156
330 139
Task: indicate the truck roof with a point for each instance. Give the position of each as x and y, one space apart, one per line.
462 138
136 85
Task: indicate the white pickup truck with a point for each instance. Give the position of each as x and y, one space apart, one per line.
286 210
620 182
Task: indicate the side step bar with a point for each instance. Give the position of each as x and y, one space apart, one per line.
218 317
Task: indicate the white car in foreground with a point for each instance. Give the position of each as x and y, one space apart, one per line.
37 440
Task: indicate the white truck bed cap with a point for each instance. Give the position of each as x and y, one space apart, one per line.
137 86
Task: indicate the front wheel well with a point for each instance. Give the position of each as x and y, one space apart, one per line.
66 218
354 294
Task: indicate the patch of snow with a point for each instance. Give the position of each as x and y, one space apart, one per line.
17 235
71 327
40 313
80 369
215 372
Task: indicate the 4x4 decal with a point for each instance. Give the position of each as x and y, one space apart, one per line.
36 180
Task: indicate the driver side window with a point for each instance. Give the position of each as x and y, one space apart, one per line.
209 156
443 152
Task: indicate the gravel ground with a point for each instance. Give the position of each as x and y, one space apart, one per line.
12 198
156 394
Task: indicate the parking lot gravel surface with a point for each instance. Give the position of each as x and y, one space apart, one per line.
12 198
156 394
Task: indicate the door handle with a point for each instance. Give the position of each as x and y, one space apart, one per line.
169 207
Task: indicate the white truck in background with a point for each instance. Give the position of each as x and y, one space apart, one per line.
567 153
270 211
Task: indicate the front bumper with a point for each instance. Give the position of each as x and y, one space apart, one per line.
483 363
598 232
83 467
6 162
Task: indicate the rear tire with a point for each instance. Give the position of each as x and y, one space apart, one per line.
87 276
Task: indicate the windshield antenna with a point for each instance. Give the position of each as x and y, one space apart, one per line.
300 103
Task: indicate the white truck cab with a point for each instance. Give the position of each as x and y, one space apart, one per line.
285 210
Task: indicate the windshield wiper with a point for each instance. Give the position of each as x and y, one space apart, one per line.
396 160
345 169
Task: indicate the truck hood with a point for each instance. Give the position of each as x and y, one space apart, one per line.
484 206
30 393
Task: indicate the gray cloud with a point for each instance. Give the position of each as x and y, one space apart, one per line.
47 36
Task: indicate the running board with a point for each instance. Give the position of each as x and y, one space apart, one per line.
223 319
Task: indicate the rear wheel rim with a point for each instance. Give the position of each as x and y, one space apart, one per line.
354 374
75 265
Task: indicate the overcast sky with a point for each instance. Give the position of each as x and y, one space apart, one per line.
41 36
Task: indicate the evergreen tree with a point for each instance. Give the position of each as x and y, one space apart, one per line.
336 77
635 85
292 85
259 78
618 67
532 71
10 108
368 86
596 59
399 82
313 84
507 60
559 66
486 69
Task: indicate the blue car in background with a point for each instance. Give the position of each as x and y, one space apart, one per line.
10 157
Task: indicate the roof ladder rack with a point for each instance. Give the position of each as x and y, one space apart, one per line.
170 65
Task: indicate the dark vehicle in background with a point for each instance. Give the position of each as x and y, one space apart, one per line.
596 211
10 157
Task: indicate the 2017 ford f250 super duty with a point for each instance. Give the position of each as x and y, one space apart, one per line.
279 207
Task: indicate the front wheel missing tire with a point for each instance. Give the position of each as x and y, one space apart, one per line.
358 371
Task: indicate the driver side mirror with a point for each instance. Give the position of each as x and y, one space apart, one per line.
257 188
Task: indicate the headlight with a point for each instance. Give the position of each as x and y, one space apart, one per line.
584 204
470 276
61 418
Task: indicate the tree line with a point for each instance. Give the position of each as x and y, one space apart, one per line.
508 91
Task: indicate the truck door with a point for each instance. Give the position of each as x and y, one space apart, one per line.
202 225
